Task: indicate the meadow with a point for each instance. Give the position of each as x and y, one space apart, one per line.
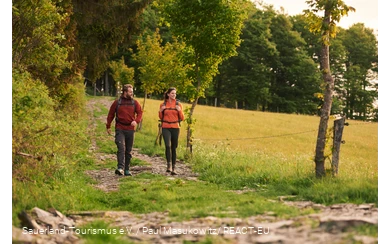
239 148
279 144
262 155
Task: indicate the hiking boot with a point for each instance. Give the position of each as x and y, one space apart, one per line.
169 168
127 173
119 171
174 172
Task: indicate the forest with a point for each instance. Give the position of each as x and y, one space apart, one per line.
273 68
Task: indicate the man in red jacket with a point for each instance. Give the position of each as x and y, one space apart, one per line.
127 113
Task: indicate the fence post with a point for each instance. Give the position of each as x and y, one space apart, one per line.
337 135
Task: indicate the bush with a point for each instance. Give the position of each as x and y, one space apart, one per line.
41 132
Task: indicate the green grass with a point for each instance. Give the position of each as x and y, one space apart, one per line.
270 154
183 199
100 232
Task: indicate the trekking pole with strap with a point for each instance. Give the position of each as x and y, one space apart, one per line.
159 135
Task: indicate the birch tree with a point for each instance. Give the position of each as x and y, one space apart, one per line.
332 11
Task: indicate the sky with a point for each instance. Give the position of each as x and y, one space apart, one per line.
366 11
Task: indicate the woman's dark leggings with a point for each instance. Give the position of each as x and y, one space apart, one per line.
171 140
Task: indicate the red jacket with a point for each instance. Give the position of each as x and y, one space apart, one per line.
129 110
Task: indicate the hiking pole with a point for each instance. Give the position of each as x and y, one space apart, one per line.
159 135
159 139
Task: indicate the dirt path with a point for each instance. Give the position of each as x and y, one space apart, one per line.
109 181
330 225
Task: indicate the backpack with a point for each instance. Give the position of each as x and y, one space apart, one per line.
178 115
116 110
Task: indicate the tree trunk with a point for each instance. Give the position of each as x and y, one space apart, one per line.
106 84
143 107
189 125
327 105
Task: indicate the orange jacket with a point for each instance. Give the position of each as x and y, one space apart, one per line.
170 116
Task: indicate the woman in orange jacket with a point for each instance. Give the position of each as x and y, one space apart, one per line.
170 114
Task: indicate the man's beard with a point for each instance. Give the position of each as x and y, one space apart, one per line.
128 96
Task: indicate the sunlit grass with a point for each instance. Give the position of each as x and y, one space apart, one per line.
185 199
241 148
284 135
270 154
